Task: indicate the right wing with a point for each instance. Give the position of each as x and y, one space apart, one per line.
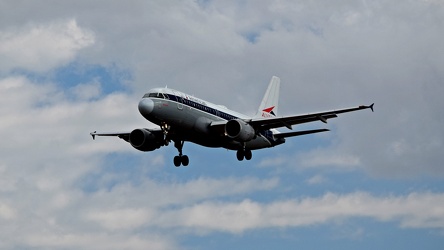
288 121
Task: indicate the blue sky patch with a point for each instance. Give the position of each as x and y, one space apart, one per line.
111 78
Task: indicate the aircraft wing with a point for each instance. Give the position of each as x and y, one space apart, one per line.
299 133
124 135
288 121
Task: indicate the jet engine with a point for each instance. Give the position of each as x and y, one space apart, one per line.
145 140
239 130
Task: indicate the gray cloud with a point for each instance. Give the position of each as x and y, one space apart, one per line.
42 47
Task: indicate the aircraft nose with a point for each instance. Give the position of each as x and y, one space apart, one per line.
146 106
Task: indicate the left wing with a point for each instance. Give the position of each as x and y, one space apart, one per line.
142 139
288 121
124 135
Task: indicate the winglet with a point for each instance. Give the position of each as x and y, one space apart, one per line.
367 107
93 134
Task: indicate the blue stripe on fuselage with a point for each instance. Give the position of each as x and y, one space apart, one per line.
200 106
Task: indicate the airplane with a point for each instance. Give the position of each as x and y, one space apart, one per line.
184 118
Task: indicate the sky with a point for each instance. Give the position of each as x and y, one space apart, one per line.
68 68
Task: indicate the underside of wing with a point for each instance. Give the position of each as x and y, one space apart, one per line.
299 133
121 135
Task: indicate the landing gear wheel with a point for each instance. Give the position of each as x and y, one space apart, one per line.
240 155
181 160
248 154
185 160
177 161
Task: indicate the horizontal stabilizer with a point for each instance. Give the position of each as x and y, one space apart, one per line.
298 133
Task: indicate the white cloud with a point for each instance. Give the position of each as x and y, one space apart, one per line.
41 47
317 179
328 159
87 91
122 218
56 240
416 210
273 161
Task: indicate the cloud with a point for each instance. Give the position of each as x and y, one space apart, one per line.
273 161
316 180
122 218
87 91
97 241
41 47
329 159
6 212
416 210
328 55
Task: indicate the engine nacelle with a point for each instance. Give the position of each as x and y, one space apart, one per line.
239 130
144 140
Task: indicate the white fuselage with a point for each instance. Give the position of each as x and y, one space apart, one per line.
190 118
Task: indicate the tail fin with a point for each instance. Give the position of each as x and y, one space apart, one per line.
269 104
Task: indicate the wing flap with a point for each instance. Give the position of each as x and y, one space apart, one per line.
298 133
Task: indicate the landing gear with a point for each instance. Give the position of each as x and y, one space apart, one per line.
244 153
248 154
166 129
180 159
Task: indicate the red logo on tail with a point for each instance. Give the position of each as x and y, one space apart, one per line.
269 111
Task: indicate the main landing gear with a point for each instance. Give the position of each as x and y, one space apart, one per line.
244 153
180 159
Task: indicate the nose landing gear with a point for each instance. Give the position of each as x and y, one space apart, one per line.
166 129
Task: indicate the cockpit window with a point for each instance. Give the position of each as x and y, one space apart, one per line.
157 95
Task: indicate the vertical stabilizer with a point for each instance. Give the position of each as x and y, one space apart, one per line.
269 104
